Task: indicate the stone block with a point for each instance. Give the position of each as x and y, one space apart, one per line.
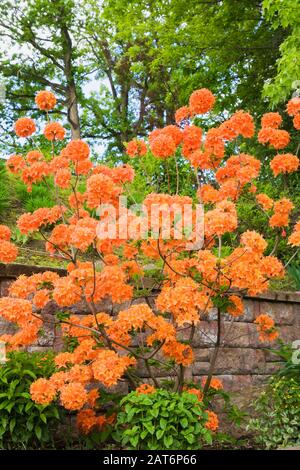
282 313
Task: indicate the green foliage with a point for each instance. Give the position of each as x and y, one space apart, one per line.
4 194
40 196
290 357
294 271
278 418
162 420
24 423
285 13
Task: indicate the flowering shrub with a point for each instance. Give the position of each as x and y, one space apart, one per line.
191 281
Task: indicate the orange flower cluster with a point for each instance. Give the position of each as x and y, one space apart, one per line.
195 391
212 422
240 169
184 300
284 163
265 201
296 121
278 138
201 101
266 328
215 383
42 391
19 311
145 389
54 131
45 100
136 148
220 220
24 127
109 367
273 120
44 216
294 238
8 251
237 307
293 106
282 209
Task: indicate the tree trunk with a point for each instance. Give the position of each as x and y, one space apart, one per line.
71 95
73 114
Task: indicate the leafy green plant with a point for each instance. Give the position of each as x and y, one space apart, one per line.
24 423
162 420
278 418
294 271
290 368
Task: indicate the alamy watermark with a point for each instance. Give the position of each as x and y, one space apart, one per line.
158 221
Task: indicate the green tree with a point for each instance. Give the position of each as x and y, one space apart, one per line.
285 13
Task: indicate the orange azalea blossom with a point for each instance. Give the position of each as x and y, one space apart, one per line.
284 163
76 150
108 367
195 391
162 146
15 164
93 396
54 131
25 127
279 139
220 220
207 194
184 301
237 309
73 396
201 101
212 422
242 124
45 100
83 167
282 209
214 144
273 120
181 353
136 148
293 106
145 389
63 178
182 114
192 136
43 216
294 239
42 391
41 298
266 328
242 168
5 233
8 252
265 201
86 421
34 156
215 383
296 121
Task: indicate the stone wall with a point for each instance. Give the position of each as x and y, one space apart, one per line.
243 363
